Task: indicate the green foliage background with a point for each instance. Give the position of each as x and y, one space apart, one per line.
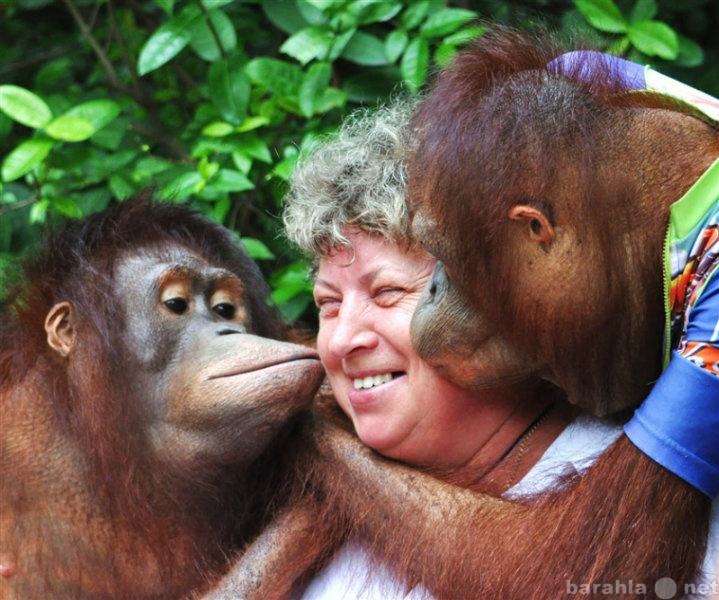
210 101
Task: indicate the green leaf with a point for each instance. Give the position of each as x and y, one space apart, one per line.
38 211
120 187
309 43
643 10
5 125
313 10
414 14
290 281
69 129
118 162
67 207
203 40
313 86
229 180
444 54
230 88
276 75
690 53
373 11
654 38
150 167
256 148
619 47
98 113
284 168
24 158
169 40
183 186
212 146
242 162
365 49
446 21
252 123
461 37
6 196
215 4
257 249
415 63
284 16
93 199
207 168
395 43
112 134
221 209
55 74
340 43
218 129
166 5
331 98
24 106
603 15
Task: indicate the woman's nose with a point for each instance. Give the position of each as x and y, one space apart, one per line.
353 331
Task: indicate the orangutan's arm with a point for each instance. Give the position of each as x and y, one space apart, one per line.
277 559
462 544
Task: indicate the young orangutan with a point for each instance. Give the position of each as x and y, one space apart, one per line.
147 400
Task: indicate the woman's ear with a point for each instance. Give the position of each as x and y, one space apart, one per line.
539 228
60 328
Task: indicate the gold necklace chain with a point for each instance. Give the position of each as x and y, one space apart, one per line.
522 446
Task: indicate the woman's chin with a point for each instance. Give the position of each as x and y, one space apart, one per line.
392 445
381 441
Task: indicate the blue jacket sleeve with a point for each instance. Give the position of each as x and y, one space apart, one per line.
678 423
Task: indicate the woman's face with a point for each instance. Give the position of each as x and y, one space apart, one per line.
398 404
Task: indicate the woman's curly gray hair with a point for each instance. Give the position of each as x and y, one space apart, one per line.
356 178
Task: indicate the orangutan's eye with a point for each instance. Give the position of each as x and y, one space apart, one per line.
176 305
225 310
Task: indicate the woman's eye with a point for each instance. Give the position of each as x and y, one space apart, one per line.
387 294
327 306
176 305
225 310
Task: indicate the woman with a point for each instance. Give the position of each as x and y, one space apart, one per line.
346 209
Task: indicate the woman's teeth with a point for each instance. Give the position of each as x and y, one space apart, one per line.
365 383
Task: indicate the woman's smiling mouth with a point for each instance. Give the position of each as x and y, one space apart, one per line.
365 383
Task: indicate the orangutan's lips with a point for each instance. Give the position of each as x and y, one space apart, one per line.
256 367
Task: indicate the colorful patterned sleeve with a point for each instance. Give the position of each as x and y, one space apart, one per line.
700 343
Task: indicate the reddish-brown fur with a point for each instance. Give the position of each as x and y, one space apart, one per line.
87 508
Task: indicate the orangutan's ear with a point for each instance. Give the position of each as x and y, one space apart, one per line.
539 227
60 328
